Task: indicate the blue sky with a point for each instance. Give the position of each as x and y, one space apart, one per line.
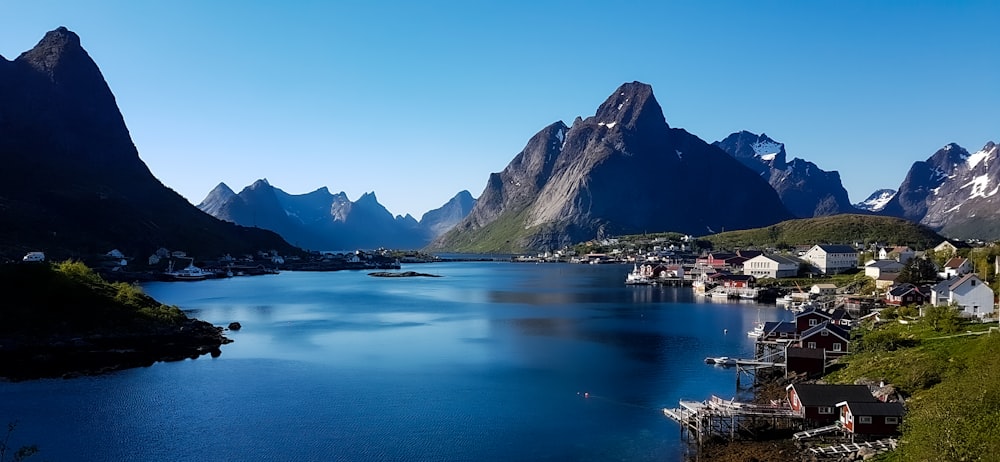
419 100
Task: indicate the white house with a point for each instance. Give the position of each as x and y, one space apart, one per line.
771 266
972 296
879 267
898 253
956 266
832 259
823 289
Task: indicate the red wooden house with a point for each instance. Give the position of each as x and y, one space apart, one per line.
829 337
818 403
871 418
904 295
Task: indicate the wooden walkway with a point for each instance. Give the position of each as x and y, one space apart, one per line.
817 431
887 444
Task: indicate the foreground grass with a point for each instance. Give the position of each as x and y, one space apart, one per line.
69 297
951 379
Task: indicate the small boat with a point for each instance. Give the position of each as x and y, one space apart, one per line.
721 361
758 327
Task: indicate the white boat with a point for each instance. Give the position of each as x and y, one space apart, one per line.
758 328
636 277
188 273
721 361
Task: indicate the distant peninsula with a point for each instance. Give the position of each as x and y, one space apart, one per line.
63 320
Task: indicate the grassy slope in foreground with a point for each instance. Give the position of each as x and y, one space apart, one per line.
953 384
63 319
836 229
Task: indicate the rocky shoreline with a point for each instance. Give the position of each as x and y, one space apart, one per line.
24 357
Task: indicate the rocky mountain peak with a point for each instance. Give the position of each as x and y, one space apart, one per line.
631 107
759 152
57 48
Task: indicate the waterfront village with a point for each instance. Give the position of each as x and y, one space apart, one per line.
832 290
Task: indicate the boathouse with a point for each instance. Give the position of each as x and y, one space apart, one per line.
818 403
871 418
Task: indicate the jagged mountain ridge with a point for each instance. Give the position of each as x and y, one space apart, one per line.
876 201
804 188
623 170
320 220
73 183
954 192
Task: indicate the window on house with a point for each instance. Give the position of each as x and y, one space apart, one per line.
973 283
865 419
812 345
892 420
784 334
824 333
836 346
812 322
825 410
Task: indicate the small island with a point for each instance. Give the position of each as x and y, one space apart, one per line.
64 320
403 274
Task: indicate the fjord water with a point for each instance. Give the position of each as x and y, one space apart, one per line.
490 362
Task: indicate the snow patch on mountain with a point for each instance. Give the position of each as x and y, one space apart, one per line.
877 200
766 149
981 156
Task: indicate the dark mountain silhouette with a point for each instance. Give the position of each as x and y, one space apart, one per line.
73 183
622 171
804 188
323 221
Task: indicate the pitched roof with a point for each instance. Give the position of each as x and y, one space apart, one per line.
777 327
955 262
813 309
873 408
885 265
814 394
833 328
749 253
830 248
902 289
957 282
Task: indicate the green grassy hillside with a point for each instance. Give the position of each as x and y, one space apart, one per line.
836 229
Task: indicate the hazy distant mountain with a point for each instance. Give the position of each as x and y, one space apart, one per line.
438 221
622 171
953 191
72 182
804 188
323 221
876 201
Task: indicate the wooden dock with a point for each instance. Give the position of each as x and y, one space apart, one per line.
728 419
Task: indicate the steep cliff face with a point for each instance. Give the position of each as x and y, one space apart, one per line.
623 170
803 187
73 183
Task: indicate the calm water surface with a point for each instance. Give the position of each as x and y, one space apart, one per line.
489 363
